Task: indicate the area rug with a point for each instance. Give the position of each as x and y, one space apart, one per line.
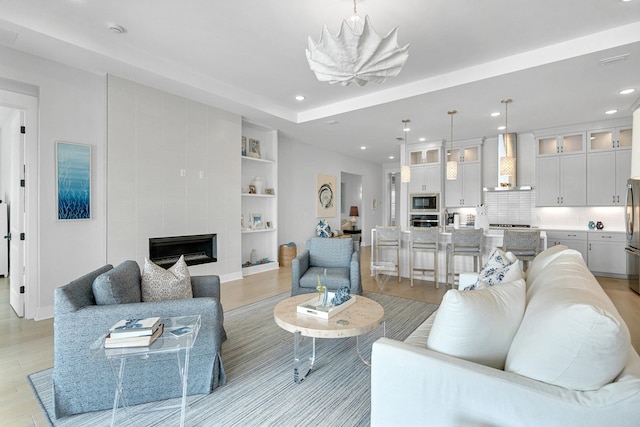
260 391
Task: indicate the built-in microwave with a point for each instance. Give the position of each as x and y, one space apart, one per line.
424 202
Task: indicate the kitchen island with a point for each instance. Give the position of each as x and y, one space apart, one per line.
492 238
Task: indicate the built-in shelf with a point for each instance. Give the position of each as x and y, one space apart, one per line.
253 159
263 240
258 195
260 230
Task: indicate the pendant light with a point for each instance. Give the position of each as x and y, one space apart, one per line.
405 171
452 165
507 162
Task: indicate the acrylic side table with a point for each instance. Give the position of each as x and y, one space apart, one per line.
179 336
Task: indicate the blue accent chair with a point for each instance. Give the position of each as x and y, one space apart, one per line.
83 384
339 257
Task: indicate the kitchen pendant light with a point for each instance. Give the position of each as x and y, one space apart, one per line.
507 162
452 165
405 170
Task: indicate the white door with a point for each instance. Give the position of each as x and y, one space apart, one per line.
16 220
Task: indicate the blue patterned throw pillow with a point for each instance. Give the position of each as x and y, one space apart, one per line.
501 267
323 229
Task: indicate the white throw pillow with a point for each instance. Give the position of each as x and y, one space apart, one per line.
159 284
570 337
479 326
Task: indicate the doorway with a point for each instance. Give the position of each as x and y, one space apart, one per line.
18 191
351 196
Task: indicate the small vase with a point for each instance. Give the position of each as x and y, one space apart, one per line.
259 184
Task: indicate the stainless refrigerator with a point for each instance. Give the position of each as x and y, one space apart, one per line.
632 225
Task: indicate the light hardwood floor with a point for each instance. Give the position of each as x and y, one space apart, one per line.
27 345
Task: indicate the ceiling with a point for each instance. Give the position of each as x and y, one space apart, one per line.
248 57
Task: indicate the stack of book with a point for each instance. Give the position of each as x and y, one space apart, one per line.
134 333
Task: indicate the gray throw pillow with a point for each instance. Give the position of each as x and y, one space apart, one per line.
120 285
159 284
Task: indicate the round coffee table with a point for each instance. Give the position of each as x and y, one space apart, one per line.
362 317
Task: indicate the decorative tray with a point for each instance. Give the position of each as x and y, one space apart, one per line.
314 307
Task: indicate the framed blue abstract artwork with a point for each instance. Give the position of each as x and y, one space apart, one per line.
73 180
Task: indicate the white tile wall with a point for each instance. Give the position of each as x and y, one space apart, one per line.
173 169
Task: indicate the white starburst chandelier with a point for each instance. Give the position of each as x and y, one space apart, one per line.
356 54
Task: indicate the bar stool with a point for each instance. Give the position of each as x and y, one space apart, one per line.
525 244
424 240
388 237
464 242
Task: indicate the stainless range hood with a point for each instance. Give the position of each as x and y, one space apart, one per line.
507 164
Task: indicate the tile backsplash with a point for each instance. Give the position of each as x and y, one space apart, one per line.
519 207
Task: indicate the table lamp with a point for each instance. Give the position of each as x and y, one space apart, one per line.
353 213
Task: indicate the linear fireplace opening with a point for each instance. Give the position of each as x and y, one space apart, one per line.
197 249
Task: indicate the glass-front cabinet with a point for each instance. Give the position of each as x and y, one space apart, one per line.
572 143
429 156
561 170
426 168
466 189
608 166
609 139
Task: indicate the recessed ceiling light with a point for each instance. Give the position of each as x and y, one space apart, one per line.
626 91
496 114
299 97
391 157
422 139
611 111
363 148
501 127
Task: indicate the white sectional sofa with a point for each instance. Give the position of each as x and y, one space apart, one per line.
568 361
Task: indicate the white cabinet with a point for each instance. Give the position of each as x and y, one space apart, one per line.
424 155
426 169
259 209
425 179
573 239
561 169
572 143
606 253
466 189
608 166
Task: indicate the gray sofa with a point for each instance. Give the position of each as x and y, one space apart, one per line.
82 384
340 258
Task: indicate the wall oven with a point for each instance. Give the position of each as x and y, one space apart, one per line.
424 202
424 220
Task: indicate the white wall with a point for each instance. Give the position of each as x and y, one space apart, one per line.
72 107
298 164
173 170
